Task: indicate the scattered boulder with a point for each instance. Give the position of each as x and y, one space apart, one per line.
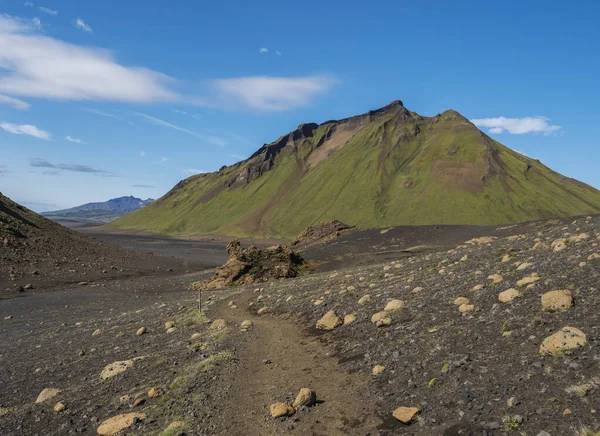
566 339
254 265
262 310
114 425
141 331
246 324
558 245
97 332
321 233
528 280
174 428
381 319
47 394
172 330
329 321
579 238
115 368
281 409
477 288
523 266
496 278
169 325
406 414
59 407
508 295
557 301
394 305
306 397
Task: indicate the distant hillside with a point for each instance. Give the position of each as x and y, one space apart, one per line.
97 213
387 167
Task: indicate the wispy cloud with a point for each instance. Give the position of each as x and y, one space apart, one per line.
162 160
142 153
517 126
40 66
37 22
157 121
143 186
180 112
29 4
25 129
272 93
48 11
107 115
75 140
43 163
15 103
81 25
278 53
194 171
263 50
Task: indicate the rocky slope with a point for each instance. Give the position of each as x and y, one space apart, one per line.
38 252
387 167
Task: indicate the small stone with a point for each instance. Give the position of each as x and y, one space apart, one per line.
47 394
97 332
567 412
495 278
114 425
155 392
523 266
506 258
195 336
405 414
394 305
349 319
174 428
463 308
306 397
459 301
381 319
417 290
329 321
558 245
528 280
281 409
246 324
319 302
59 407
8 317
557 301
262 310
477 288
508 295
377 369
169 325
218 324
512 402
141 331
172 330
364 299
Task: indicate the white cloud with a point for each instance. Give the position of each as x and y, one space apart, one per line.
48 11
25 129
194 171
29 4
278 53
517 126
81 25
153 120
180 112
15 103
35 65
75 140
272 93
142 153
263 50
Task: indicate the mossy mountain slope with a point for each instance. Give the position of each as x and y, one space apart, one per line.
386 167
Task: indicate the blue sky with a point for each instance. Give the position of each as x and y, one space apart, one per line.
100 99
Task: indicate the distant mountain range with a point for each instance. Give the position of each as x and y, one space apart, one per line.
387 167
97 213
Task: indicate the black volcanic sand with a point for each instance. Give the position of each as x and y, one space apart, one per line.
461 370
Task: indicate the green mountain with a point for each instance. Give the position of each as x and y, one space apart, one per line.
387 167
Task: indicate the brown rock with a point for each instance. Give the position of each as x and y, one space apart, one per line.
218 324
246 324
306 397
262 310
528 280
508 295
114 425
557 301
364 299
155 392
558 245
566 339
169 325
466 308
329 321
378 369
281 409
141 331
459 301
115 368
405 414
394 305
47 394
381 319
349 319
495 278
59 407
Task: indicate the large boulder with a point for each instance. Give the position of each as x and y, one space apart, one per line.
329 321
114 425
564 340
406 414
557 301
